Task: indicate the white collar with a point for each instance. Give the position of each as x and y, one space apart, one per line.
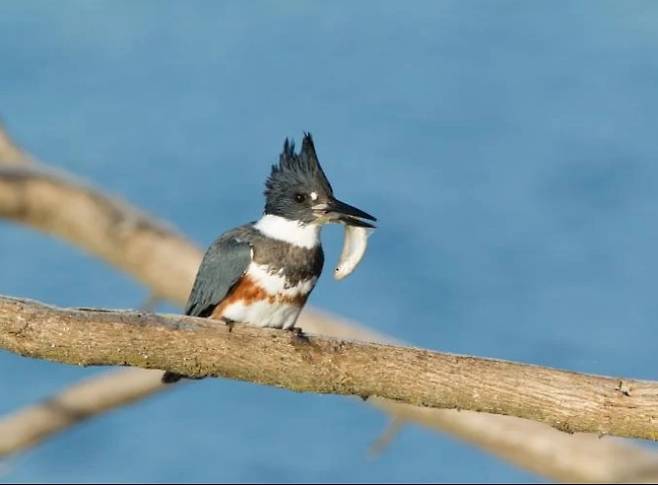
293 232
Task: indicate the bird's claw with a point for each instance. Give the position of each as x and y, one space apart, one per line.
299 335
229 323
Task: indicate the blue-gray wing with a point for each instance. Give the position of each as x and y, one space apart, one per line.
224 263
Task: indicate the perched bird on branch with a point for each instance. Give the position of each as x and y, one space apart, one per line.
262 273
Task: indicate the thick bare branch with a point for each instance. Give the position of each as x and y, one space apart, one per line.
197 347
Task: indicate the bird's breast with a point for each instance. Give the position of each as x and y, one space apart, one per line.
265 298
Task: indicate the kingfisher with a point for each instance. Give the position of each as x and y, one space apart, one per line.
263 272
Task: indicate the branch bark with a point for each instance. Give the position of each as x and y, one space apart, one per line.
530 445
196 347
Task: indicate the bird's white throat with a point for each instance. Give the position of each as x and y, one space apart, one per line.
293 232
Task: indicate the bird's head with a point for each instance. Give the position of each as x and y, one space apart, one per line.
298 190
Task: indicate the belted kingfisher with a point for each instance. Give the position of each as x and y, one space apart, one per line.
262 273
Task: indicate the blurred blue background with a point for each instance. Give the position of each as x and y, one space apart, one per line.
508 149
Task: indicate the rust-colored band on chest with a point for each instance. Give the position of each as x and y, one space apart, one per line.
247 291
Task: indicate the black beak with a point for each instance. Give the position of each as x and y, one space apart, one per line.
348 214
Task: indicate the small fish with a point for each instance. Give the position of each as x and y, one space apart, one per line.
355 243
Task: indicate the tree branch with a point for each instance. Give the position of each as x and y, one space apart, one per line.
196 347
10 154
120 235
88 398
582 457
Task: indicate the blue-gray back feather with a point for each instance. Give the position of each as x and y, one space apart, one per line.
224 263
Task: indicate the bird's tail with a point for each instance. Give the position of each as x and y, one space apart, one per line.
171 377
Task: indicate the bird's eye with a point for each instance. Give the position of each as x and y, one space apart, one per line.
300 197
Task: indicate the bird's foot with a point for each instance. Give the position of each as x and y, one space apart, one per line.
172 377
299 335
229 323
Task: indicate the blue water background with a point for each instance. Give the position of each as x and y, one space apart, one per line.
508 148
